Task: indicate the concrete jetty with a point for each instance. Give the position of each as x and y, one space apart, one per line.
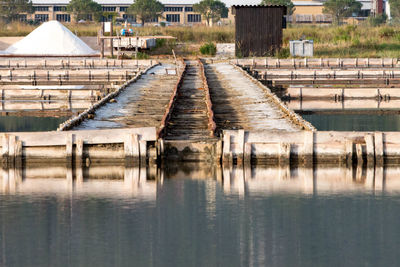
141 104
241 103
207 112
189 118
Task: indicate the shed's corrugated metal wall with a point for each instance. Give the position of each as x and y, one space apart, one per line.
258 29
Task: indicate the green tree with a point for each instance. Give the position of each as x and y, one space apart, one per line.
288 3
211 10
11 9
85 10
146 9
395 9
340 9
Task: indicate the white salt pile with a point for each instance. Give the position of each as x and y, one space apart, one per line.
51 39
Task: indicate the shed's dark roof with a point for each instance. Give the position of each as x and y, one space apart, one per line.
238 6
234 7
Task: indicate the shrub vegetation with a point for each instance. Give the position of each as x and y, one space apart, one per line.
329 41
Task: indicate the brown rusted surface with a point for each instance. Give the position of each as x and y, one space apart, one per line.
168 110
188 118
211 123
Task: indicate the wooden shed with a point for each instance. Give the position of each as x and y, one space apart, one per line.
258 29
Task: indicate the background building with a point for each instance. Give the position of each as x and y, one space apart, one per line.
311 11
46 10
180 12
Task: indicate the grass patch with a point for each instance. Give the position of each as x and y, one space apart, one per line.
329 41
349 40
208 49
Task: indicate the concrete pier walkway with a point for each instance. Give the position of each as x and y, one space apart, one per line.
189 120
239 103
141 104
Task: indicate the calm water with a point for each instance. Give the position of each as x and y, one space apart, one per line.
320 219
29 124
354 122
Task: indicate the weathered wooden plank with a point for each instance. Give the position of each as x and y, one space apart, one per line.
79 152
379 156
349 153
308 147
359 155
240 149
226 148
370 149
107 136
284 153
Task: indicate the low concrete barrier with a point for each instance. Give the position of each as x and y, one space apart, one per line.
73 63
295 118
69 124
318 63
133 145
307 147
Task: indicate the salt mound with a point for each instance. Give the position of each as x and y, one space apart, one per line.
51 39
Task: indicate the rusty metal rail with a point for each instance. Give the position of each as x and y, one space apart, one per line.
326 74
67 78
168 110
71 63
211 122
317 63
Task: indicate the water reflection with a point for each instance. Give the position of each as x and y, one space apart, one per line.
199 216
100 181
37 115
125 182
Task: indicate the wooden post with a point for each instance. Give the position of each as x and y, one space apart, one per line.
18 154
11 149
102 40
349 153
284 154
5 148
226 148
379 151
359 155
143 152
369 141
79 152
240 147
102 48
112 40
132 149
136 46
68 147
247 154
308 149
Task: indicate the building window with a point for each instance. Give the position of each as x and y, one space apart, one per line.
194 18
152 20
41 17
63 17
123 8
173 9
129 18
304 18
22 17
41 8
109 8
189 9
173 17
59 8
107 18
